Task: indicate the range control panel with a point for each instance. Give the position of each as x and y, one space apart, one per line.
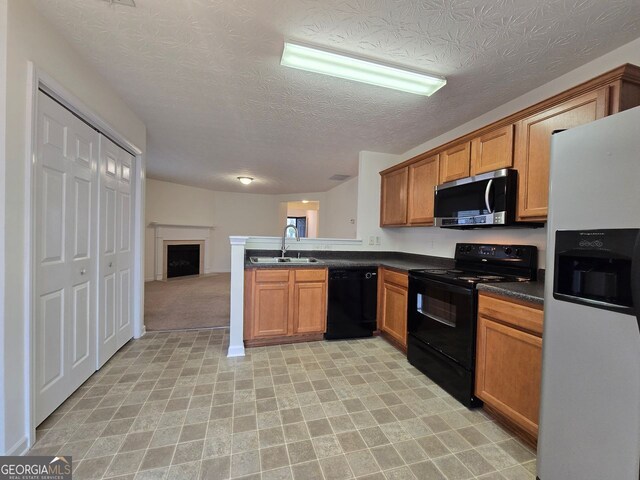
497 253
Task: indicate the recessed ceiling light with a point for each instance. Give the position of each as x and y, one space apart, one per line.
366 71
305 201
245 180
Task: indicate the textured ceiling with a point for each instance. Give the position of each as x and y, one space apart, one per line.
204 75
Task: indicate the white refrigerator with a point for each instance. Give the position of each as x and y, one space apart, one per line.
590 398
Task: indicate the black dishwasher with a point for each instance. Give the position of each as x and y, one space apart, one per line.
353 297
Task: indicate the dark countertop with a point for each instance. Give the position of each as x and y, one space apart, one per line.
526 291
337 259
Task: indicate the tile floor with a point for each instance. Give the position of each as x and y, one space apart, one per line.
172 406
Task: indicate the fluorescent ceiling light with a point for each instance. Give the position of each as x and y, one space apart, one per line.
245 180
359 70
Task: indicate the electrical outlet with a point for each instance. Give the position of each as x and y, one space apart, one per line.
377 239
372 240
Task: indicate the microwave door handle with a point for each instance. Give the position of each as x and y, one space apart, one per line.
635 278
487 191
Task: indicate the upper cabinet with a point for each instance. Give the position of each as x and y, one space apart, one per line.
455 162
521 141
533 147
393 199
423 177
492 151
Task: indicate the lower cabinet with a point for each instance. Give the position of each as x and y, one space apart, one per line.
392 306
283 305
508 361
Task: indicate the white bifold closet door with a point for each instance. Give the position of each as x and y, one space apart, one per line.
115 287
65 255
83 257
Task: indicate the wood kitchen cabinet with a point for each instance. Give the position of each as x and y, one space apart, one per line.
392 306
423 177
509 360
533 147
492 151
284 305
309 302
521 140
393 198
455 162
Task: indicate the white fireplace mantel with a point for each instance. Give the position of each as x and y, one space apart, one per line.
165 232
176 225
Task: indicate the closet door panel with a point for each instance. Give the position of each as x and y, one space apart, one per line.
64 261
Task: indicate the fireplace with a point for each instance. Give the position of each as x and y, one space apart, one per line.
183 260
167 235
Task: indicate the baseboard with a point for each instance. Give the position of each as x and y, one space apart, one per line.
149 279
236 351
20 448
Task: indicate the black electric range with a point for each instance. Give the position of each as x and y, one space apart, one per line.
442 311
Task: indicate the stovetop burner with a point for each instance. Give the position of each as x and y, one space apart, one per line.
479 263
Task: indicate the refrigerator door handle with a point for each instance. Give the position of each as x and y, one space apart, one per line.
635 278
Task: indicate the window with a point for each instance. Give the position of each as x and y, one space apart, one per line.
300 223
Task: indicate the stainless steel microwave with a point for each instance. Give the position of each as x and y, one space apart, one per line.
486 200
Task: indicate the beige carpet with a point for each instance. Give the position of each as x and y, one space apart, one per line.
190 302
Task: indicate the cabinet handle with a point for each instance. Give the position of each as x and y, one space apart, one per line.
83 271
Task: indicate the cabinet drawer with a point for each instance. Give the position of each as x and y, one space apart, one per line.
514 314
400 279
268 275
311 275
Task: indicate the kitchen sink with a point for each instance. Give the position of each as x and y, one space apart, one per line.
276 260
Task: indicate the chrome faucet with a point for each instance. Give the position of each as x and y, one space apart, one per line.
284 237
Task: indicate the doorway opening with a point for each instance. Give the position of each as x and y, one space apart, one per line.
304 215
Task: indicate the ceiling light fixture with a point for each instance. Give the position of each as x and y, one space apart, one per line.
128 3
305 201
366 71
245 180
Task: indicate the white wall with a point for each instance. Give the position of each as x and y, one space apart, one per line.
241 214
30 37
229 213
3 126
338 212
441 242
368 203
171 203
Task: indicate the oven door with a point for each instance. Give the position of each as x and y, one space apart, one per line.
443 316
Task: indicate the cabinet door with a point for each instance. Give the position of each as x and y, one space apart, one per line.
393 201
270 309
423 177
492 151
533 144
508 372
309 308
394 312
455 162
